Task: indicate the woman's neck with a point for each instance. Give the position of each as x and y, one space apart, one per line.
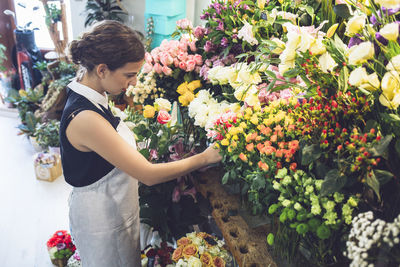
92 82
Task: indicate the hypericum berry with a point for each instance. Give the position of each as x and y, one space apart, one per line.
372 131
378 138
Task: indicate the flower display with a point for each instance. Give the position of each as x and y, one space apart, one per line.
200 249
157 256
60 245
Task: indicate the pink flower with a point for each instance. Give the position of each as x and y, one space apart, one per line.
176 195
184 24
166 59
192 46
147 67
182 65
163 117
157 68
148 58
155 54
182 56
176 62
167 71
153 154
190 65
198 59
183 46
199 32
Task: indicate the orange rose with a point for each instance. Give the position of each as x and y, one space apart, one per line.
177 254
202 234
206 259
219 262
189 250
184 241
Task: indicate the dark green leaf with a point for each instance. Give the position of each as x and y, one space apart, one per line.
310 154
379 149
383 176
373 183
333 182
342 10
258 182
225 178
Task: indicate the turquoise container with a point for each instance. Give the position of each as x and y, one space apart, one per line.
166 7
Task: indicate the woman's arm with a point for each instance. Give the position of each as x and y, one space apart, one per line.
89 131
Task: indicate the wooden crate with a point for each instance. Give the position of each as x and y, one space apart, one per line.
50 171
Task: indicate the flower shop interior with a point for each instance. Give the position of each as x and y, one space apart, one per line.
301 98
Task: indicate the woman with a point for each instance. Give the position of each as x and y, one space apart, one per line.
99 153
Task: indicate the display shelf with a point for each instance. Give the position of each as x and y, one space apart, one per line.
247 245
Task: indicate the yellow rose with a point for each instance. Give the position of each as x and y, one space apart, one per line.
390 31
189 251
149 111
359 54
193 85
206 259
326 62
186 98
225 142
355 25
243 125
182 88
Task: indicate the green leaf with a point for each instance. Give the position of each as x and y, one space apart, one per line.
379 149
373 182
397 147
343 79
225 178
342 10
258 182
383 176
310 154
333 182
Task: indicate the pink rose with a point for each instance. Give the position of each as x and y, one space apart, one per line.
148 58
199 59
166 59
183 46
157 68
182 65
182 56
192 46
167 71
147 67
163 117
176 62
190 65
155 54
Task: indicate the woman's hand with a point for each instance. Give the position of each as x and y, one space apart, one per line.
212 154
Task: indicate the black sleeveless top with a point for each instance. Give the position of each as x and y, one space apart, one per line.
82 168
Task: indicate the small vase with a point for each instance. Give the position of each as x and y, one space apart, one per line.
54 150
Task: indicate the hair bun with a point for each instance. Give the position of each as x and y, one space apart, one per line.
75 50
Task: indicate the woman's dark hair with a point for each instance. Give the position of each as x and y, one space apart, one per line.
109 42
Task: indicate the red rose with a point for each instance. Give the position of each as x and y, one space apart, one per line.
163 117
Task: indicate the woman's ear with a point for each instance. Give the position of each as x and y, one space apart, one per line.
101 70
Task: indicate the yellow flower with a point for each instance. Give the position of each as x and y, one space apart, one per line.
149 111
228 136
186 98
254 119
249 111
233 130
22 93
193 85
225 142
235 137
243 125
268 121
234 144
183 88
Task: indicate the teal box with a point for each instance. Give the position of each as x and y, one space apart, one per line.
158 38
166 7
164 24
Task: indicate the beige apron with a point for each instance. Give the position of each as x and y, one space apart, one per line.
104 218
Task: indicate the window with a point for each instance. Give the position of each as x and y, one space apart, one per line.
33 11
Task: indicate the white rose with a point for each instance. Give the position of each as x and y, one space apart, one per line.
394 64
317 48
390 31
280 46
181 263
355 24
194 262
162 104
388 3
372 83
201 119
326 62
358 76
52 251
359 54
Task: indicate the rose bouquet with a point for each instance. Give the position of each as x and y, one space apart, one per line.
200 249
60 248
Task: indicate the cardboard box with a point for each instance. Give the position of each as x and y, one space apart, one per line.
47 166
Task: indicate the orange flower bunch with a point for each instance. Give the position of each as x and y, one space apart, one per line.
200 249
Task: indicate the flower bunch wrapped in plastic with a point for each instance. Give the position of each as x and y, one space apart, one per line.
200 249
60 245
373 242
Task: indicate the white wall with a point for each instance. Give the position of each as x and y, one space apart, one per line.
134 7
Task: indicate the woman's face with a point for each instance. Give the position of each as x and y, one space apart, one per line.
118 80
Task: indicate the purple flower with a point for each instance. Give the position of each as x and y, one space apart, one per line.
218 63
234 36
217 7
199 32
354 41
204 71
60 246
205 16
220 26
381 39
373 20
208 47
224 42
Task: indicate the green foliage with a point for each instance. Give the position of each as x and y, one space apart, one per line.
47 134
98 10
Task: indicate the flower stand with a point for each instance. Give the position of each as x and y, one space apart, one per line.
247 245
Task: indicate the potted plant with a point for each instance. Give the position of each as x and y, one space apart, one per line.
98 10
47 135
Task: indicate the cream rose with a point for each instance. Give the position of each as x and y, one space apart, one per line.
359 54
162 104
390 31
194 262
394 64
326 62
358 76
355 24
